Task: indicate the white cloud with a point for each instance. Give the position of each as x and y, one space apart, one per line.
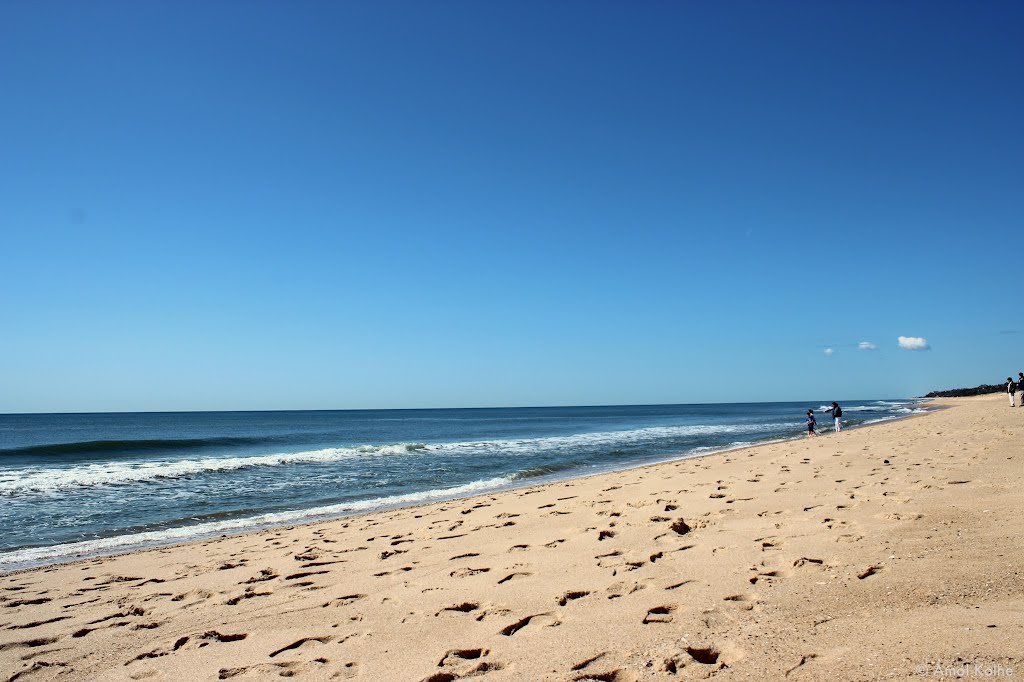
914 343
828 351
866 345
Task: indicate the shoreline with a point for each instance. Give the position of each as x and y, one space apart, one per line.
304 518
863 556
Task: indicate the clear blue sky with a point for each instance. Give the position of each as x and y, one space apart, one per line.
271 205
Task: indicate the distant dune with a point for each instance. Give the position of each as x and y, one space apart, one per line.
966 392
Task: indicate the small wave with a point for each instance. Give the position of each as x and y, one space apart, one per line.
870 408
548 470
892 409
35 555
610 439
126 446
43 480
877 420
877 406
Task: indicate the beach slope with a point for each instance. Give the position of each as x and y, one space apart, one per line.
889 552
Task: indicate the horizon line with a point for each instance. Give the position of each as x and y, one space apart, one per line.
409 409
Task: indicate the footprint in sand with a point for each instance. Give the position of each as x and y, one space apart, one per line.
513 576
906 516
264 575
249 593
460 663
299 643
706 655
539 619
193 597
305 574
215 636
621 589
283 669
609 559
659 614
454 609
769 575
676 586
228 565
467 572
609 676
745 602
804 660
571 596
403 569
871 570
588 661
459 656
29 643
37 623
344 601
15 603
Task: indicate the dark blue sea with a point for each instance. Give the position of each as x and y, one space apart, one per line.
75 485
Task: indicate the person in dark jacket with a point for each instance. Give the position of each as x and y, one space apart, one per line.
811 423
1011 388
837 414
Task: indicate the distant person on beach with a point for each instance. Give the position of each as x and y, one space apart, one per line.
1020 388
837 413
811 423
1011 388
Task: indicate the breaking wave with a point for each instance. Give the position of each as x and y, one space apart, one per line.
35 479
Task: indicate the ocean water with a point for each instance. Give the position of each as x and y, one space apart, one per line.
76 485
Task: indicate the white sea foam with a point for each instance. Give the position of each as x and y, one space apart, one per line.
34 479
51 479
877 420
36 555
712 449
608 438
876 406
889 408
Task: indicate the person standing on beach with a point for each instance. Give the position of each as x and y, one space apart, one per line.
811 423
1020 388
1011 388
837 413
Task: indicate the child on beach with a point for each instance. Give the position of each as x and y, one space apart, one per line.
811 423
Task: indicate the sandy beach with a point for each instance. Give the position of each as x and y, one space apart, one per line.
888 552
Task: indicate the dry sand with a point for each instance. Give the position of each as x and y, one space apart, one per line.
810 559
